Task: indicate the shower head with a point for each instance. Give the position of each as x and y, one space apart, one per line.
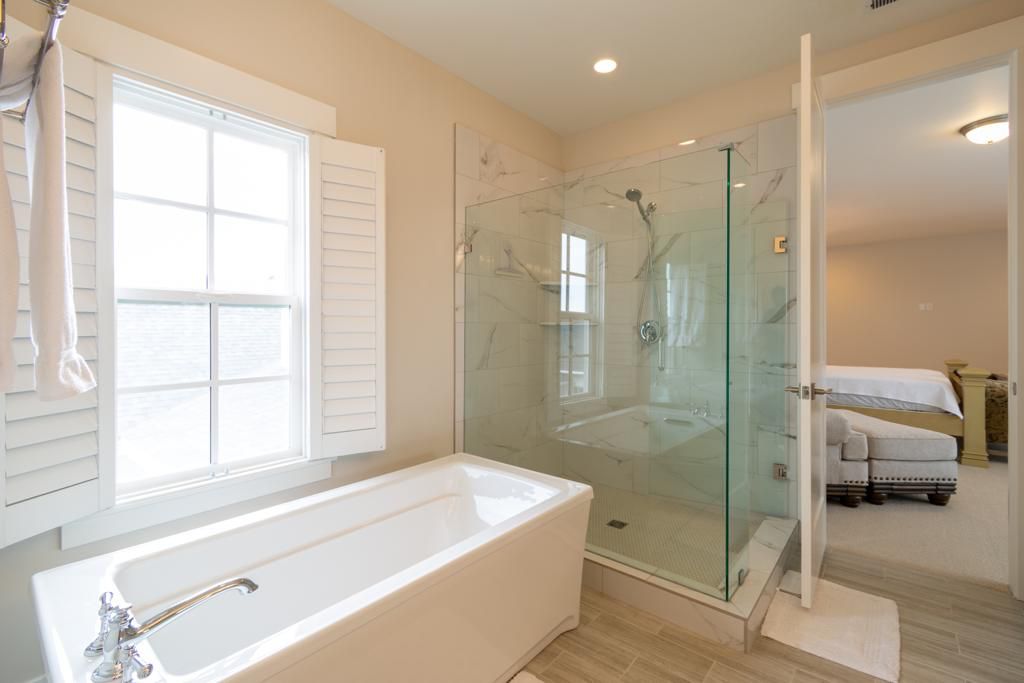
635 195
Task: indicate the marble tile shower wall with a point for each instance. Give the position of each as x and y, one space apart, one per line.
506 396
506 254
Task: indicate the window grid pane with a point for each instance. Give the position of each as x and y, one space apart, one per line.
170 238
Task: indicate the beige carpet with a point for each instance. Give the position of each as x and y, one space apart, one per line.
846 626
966 539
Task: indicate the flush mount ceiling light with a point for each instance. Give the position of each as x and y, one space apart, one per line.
605 66
988 130
684 143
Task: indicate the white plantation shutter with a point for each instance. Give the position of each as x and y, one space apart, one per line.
49 449
346 298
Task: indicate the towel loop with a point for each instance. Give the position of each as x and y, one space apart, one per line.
57 9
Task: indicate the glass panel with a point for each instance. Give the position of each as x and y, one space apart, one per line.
162 343
250 177
159 247
578 255
254 420
580 375
254 341
162 433
581 339
250 256
673 475
577 294
755 358
140 137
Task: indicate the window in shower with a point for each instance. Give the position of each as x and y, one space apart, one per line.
578 317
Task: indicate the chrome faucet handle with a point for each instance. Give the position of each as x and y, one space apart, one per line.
133 668
115 620
95 648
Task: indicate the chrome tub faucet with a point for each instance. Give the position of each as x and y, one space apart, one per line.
119 634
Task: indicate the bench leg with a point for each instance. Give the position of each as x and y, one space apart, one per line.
938 498
850 501
876 498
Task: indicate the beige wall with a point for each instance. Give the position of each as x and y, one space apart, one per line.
385 95
763 97
875 292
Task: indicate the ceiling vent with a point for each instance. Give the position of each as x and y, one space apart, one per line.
879 4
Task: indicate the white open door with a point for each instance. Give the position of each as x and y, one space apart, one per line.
811 306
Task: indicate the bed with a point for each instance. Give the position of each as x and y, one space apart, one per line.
952 403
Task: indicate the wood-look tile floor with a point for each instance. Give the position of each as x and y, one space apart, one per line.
951 631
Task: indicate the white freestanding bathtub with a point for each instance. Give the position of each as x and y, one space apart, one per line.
460 569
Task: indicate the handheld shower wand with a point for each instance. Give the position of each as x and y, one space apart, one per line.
650 331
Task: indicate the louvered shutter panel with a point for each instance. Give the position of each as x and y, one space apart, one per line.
49 449
347 311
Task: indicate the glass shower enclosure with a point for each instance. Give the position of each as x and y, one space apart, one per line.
617 334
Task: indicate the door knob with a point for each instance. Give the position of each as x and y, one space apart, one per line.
794 389
820 391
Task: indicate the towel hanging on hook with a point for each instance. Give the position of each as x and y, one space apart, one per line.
60 372
57 9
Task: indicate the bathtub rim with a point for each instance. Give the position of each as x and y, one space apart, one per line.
355 610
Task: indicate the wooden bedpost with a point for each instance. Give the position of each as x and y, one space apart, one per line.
970 384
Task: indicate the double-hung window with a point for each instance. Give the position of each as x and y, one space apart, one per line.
208 222
579 314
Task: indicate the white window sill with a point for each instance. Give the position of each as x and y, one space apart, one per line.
145 511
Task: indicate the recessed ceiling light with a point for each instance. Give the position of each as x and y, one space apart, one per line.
988 130
605 66
739 185
684 143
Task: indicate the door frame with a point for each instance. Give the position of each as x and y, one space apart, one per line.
1000 44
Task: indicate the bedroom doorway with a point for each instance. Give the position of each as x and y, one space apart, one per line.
919 322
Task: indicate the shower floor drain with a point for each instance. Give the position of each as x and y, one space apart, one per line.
618 524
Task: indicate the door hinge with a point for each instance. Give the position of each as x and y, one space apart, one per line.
1014 388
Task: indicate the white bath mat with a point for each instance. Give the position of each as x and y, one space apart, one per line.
851 628
525 677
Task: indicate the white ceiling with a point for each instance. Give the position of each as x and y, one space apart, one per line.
536 55
899 169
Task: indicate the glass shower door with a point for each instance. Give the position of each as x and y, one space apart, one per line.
688 369
606 339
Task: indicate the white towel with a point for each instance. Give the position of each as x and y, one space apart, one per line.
60 372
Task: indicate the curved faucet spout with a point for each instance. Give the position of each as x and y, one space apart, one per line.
132 635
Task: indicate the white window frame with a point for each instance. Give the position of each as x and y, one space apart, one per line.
133 92
590 318
258 478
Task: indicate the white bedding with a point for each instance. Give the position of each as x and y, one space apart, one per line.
929 388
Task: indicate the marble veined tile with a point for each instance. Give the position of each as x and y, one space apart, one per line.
507 168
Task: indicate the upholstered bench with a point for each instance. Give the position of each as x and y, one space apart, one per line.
847 467
903 459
